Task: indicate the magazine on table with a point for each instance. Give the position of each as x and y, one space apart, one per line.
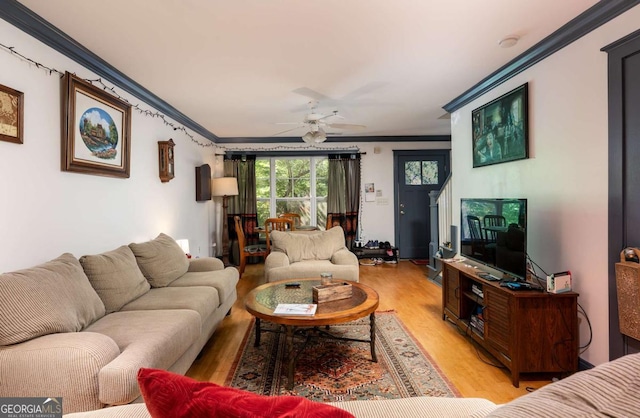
303 309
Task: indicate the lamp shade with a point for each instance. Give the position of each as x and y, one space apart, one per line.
224 186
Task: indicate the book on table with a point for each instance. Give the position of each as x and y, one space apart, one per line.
304 309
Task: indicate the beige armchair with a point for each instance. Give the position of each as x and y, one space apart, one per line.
297 255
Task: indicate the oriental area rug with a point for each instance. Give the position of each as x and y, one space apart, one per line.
335 370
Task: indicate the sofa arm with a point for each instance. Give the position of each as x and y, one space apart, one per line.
205 264
276 259
344 257
65 364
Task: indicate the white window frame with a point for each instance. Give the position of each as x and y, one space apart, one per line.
313 199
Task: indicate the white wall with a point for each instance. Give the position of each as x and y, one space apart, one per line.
45 211
377 217
565 178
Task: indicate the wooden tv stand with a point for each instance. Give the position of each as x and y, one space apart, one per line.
529 331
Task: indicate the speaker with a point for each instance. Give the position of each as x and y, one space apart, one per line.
203 183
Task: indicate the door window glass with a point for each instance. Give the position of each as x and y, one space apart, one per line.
429 172
412 173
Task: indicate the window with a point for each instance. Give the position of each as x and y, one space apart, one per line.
420 172
296 184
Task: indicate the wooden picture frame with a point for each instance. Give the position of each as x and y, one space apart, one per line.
11 115
96 130
500 129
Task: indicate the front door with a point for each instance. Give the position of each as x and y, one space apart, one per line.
416 173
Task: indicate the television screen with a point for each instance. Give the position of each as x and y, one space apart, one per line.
494 232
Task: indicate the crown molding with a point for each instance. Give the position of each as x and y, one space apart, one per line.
298 140
29 22
590 19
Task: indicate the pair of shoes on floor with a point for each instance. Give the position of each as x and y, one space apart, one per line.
372 244
385 245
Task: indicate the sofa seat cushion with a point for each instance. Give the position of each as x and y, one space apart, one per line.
224 281
313 268
115 276
172 395
202 299
316 246
52 297
146 339
161 260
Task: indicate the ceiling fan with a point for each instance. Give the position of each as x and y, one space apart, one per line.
316 123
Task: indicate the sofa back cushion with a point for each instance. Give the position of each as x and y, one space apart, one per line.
298 247
161 260
116 277
49 298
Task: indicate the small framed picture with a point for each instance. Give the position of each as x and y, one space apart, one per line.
11 115
369 192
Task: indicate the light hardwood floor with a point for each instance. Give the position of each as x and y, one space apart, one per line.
402 287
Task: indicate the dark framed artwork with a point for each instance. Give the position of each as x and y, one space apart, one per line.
96 130
11 115
500 129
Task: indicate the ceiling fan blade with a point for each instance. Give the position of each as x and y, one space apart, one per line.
290 123
345 126
287 130
366 89
307 92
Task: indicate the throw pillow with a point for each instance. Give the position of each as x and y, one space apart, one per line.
116 277
49 298
161 260
168 394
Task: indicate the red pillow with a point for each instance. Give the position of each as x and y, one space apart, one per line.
170 395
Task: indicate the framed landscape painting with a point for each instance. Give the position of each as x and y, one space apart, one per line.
96 130
11 115
500 129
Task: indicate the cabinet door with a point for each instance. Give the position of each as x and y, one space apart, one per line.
451 290
496 317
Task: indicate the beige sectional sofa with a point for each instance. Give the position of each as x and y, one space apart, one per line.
300 254
609 390
82 328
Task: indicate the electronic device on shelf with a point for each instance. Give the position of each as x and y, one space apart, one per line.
493 232
488 276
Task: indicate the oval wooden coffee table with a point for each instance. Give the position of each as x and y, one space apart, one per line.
262 300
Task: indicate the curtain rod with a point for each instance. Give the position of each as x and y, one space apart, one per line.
292 153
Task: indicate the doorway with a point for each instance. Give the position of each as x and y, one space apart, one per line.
624 171
416 173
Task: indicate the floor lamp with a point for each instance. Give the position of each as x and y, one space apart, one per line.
224 187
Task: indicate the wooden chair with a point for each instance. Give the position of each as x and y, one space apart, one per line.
256 250
331 223
295 217
477 237
493 220
277 224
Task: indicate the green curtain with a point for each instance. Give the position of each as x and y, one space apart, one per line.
343 197
244 205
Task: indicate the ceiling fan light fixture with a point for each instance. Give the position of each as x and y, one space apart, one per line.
315 137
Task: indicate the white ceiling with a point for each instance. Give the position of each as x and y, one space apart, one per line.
239 67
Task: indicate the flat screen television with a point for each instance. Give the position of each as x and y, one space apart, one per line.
494 233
